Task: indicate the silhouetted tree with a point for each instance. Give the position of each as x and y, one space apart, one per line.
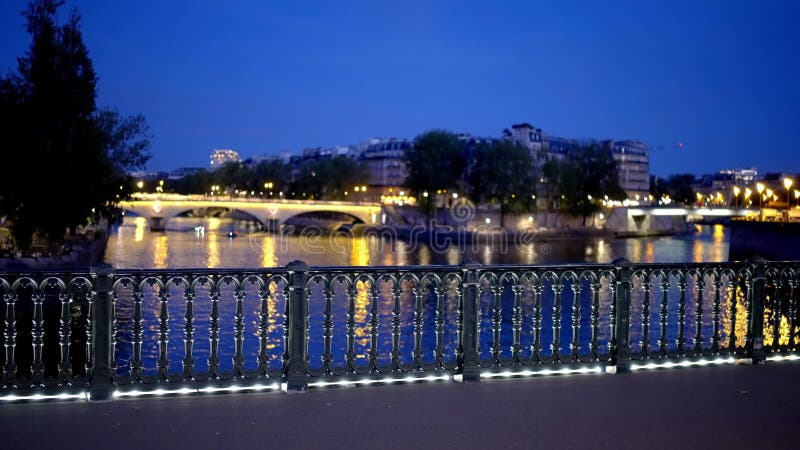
435 162
65 161
502 174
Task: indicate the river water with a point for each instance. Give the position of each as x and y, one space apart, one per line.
133 246
183 245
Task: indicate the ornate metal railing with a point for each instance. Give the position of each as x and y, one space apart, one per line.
129 332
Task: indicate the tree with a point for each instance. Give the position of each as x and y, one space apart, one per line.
434 162
328 179
585 176
66 161
502 174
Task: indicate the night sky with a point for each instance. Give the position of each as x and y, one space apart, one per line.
263 77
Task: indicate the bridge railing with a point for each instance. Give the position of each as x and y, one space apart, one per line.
136 332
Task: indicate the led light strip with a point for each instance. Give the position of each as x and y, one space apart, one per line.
545 372
686 363
14 397
204 390
779 358
410 379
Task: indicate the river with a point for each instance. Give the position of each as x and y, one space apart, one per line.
133 246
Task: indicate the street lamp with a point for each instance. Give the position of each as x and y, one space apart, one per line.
736 192
787 183
760 189
747 193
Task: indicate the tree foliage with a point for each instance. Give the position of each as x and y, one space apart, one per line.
679 187
435 161
502 174
583 178
328 179
65 161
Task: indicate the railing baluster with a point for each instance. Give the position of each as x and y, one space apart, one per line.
516 324
733 285
681 314
575 345
295 372
238 334
327 330
556 345
136 360
698 332
595 320
536 345
645 343
416 365
715 314
438 363
664 315
777 312
10 367
37 334
620 344
748 305
163 334
497 322
188 334
213 332
755 345
396 365
64 331
263 329
373 327
350 357
468 365
792 314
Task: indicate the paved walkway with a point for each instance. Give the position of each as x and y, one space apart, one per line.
713 407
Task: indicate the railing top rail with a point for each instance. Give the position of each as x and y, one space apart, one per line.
399 269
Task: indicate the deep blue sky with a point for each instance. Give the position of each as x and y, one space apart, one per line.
263 77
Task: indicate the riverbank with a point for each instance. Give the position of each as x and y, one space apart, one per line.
80 252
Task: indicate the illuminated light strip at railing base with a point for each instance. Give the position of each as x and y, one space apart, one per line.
34 397
202 390
780 358
368 381
541 373
685 363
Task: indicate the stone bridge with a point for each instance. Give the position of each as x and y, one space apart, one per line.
270 213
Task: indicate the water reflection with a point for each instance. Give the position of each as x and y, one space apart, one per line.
179 246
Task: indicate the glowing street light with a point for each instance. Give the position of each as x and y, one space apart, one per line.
787 183
797 198
736 192
760 189
140 184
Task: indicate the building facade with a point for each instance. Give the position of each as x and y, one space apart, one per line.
633 165
220 157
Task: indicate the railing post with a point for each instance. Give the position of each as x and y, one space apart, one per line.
101 315
468 369
755 345
295 372
620 342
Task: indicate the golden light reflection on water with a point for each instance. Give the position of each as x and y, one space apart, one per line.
138 232
160 252
649 251
697 251
362 305
359 252
213 252
268 257
213 223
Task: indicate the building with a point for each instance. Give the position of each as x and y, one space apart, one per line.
181 172
633 165
220 157
384 158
